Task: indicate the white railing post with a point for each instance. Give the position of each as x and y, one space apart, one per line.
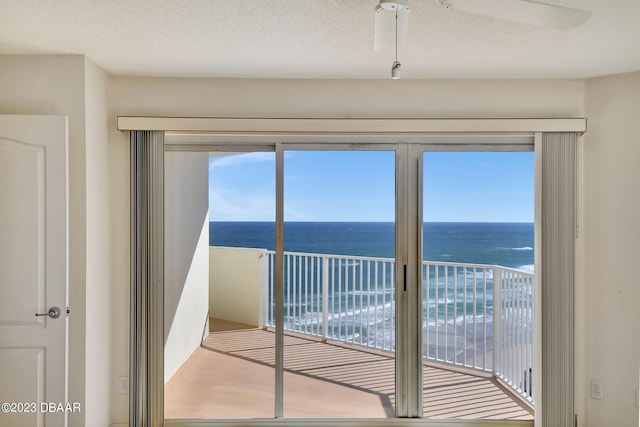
325 297
263 288
497 317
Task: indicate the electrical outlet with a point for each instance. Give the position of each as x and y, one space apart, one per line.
123 385
596 390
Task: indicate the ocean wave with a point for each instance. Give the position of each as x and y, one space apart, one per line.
441 301
529 268
462 276
524 248
381 309
469 320
387 291
373 292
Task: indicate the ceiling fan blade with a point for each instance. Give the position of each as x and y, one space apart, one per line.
384 30
523 11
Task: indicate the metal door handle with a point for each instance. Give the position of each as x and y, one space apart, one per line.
54 313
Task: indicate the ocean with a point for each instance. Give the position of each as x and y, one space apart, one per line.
360 305
506 244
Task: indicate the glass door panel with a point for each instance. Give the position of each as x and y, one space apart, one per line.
220 232
339 284
477 284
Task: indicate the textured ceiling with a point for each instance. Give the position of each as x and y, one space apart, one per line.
317 39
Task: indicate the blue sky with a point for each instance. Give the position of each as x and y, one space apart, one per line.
359 186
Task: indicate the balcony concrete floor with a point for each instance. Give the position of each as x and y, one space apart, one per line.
232 376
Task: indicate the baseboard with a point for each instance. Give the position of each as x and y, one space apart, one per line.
119 425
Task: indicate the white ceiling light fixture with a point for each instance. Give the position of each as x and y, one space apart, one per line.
396 67
391 24
390 29
523 11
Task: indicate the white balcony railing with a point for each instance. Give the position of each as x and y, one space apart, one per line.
352 299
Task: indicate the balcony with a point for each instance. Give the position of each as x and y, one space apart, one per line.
339 340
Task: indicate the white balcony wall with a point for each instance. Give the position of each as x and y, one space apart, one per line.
186 256
238 290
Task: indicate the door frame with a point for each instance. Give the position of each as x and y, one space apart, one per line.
203 134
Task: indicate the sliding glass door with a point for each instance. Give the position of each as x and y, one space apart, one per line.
219 240
477 269
339 284
354 281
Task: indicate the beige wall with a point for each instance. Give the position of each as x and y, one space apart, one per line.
186 268
606 343
347 98
324 98
119 214
100 379
54 84
237 289
609 342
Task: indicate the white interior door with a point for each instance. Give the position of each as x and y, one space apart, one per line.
33 269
